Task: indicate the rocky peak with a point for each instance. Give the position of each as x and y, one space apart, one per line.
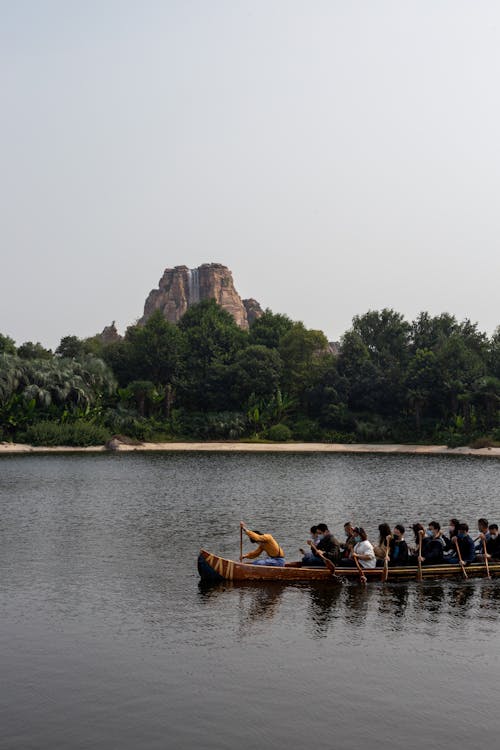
180 287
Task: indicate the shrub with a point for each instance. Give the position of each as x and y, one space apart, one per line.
73 434
279 433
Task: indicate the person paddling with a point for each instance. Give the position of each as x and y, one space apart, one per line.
268 544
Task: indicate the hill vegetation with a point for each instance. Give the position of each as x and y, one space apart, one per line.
433 380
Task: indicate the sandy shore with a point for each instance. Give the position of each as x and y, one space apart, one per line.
221 447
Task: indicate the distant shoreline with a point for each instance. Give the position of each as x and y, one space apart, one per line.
232 447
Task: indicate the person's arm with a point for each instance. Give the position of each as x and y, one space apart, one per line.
256 552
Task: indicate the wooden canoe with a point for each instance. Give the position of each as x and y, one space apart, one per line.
215 569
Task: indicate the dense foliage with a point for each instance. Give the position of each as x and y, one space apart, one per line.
432 380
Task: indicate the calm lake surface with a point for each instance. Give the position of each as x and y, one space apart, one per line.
108 640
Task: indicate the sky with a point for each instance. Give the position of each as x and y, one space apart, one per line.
338 156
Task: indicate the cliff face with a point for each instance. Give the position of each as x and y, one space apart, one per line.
181 287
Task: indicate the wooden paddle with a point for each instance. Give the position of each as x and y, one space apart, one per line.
362 576
241 543
486 559
419 573
464 572
329 563
385 574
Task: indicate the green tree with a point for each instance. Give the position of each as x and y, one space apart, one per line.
7 345
301 351
212 340
29 350
256 371
269 329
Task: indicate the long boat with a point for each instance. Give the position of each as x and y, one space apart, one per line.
216 569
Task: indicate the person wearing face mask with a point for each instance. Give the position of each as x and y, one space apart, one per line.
326 542
493 543
432 545
398 549
362 550
484 533
465 544
449 546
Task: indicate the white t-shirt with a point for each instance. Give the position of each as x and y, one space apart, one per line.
366 548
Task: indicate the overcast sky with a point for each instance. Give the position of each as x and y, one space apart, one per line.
338 156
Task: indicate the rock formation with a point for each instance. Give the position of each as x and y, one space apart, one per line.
109 334
181 287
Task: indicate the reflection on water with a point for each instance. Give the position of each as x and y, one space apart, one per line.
384 608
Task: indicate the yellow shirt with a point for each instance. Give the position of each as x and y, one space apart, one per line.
267 544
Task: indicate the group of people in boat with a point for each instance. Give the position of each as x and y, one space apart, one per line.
429 546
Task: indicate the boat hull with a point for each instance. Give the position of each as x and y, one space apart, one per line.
216 569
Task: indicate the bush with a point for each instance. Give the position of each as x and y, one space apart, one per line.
306 429
279 433
79 434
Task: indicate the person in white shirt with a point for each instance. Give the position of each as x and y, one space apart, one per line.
362 550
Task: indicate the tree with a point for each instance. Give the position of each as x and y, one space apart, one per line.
269 329
7 345
301 350
212 339
256 371
29 350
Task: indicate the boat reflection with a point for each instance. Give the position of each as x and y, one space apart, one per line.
320 608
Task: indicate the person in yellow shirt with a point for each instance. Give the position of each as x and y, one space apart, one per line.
268 544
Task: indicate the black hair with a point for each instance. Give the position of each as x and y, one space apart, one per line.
482 521
463 527
322 527
435 525
493 526
400 528
384 531
362 533
313 530
417 528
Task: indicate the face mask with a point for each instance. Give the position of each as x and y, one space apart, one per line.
319 537
461 535
429 533
493 536
357 539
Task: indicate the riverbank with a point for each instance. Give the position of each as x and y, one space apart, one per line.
233 447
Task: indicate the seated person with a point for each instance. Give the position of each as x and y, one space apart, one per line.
350 532
384 530
483 528
326 543
449 546
432 545
493 543
465 544
362 551
268 544
398 549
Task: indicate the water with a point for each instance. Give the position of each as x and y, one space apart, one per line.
107 638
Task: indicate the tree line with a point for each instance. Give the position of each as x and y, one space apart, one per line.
430 380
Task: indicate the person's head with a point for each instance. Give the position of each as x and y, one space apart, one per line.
348 529
384 531
453 527
322 528
493 529
399 531
313 530
433 529
361 535
417 528
482 525
462 530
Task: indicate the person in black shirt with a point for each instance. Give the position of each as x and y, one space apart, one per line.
398 549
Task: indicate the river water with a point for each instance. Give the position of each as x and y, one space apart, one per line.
108 639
